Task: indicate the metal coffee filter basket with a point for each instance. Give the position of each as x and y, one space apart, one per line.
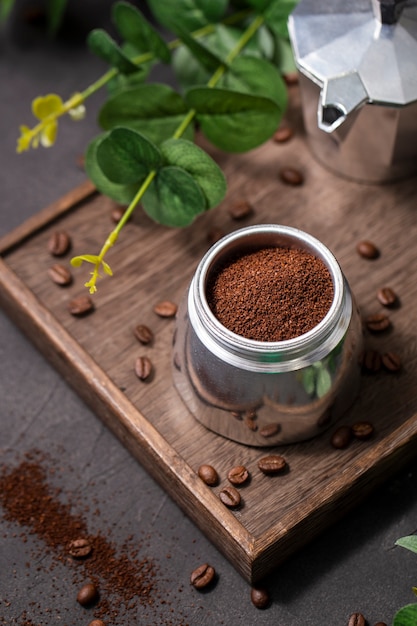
357 63
266 393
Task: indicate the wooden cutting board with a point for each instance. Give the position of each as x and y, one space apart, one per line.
96 354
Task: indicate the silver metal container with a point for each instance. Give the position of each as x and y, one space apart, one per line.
266 393
358 80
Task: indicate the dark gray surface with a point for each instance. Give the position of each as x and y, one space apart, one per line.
352 567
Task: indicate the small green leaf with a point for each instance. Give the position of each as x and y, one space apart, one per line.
276 16
155 110
257 77
192 16
407 616
126 156
309 380
204 56
233 121
214 11
55 12
200 165
121 193
324 382
409 542
174 198
107 49
135 29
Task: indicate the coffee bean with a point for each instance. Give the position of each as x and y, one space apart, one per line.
391 361
79 548
143 367
117 214
378 322
165 308
240 209
357 619
269 430
60 275
88 594
230 497
208 475
362 430
251 423
97 622
272 464
291 176
291 78
341 437
59 243
387 296
283 134
82 305
143 334
371 361
367 250
238 475
203 576
260 597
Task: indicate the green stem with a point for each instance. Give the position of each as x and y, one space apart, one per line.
141 192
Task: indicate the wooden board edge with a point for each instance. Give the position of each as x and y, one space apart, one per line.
47 215
153 452
273 548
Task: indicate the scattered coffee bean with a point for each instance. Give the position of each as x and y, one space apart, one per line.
240 209
291 78
272 464
59 243
367 250
82 305
88 594
208 475
341 437
214 235
387 296
143 367
291 176
203 576
60 275
230 497
377 323
165 308
97 622
260 597
79 548
362 430
117 213
238 475
391 361
269 430
357 619
283 134
371 361
143 334
251 423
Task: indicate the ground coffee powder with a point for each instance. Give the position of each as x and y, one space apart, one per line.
271 294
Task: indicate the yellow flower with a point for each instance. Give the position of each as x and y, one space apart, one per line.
47 109
97 261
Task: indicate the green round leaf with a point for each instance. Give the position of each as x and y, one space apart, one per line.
174 198
200 165
135 29
125 156
194 13
407 616
233 121
120 193
257 77
107 49
155 110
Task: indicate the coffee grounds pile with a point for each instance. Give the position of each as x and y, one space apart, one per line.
271 294
124 580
